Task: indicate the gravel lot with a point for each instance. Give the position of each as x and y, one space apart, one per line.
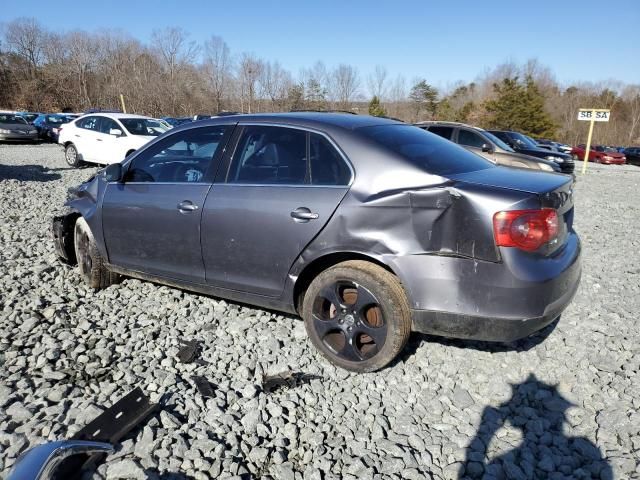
446 409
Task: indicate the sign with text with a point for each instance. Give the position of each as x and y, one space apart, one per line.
594 115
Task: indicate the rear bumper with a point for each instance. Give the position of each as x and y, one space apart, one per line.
462 298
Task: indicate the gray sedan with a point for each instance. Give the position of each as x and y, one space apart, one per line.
368 228
14 128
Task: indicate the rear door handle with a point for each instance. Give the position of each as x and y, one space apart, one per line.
303 215
187 206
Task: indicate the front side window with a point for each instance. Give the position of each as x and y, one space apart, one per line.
143 126
184 157
270 155
426 151
470 139
107 125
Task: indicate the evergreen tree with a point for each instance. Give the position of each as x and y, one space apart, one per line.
424 96
519 106
375 109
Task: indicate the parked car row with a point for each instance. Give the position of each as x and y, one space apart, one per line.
599 154
106 138
510 149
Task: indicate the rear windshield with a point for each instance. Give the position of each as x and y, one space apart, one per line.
10 118
426 150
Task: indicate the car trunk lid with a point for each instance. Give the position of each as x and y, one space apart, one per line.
552 190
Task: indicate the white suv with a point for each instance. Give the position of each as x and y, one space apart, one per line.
106 137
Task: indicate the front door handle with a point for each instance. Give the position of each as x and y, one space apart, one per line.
303 215
187 206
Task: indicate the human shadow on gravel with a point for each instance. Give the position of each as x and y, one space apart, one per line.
29 173
538 410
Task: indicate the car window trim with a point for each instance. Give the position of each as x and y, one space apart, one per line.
215 159
223 178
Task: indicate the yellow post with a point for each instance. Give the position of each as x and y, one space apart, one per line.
588 147
124 110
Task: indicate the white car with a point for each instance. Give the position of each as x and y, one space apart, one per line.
106 137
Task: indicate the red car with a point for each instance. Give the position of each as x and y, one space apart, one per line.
599 154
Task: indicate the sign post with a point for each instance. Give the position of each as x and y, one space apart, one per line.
591 115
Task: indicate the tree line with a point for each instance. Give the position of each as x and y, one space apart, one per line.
171 75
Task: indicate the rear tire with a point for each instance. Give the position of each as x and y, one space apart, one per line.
90 262
575 157
71 155
357 315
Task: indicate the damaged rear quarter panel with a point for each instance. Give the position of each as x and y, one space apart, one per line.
447 219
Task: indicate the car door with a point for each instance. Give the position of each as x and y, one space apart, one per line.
110 145
151 219
278 189
85 137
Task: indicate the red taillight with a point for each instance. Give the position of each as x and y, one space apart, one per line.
525 229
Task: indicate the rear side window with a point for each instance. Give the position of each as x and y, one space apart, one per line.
425 150
470 139
270 155
327 165
89 123
444 132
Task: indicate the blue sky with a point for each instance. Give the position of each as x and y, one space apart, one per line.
440 41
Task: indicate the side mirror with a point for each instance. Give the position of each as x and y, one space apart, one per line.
113 172
116 132
42 461
487 148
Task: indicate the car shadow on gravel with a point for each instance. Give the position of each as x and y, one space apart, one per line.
29 173
538 410
522 345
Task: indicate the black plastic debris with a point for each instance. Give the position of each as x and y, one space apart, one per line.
286 379
109 427
189 351
203 385
119 419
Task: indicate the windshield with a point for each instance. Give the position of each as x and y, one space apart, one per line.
498 142
143 126
601 148
9 118
30 117
523 140
426 150
58 119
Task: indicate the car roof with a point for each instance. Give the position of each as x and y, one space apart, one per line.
310 119
115 115
429 123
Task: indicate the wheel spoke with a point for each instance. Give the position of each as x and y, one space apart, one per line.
330 292
379 334
322 327
364 299
349 351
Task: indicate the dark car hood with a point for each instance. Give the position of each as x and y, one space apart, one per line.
542 152
16 126
514 179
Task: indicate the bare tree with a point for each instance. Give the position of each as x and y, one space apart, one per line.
250 70
218 68
377 82
346 85
632 96
27 38
275 83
